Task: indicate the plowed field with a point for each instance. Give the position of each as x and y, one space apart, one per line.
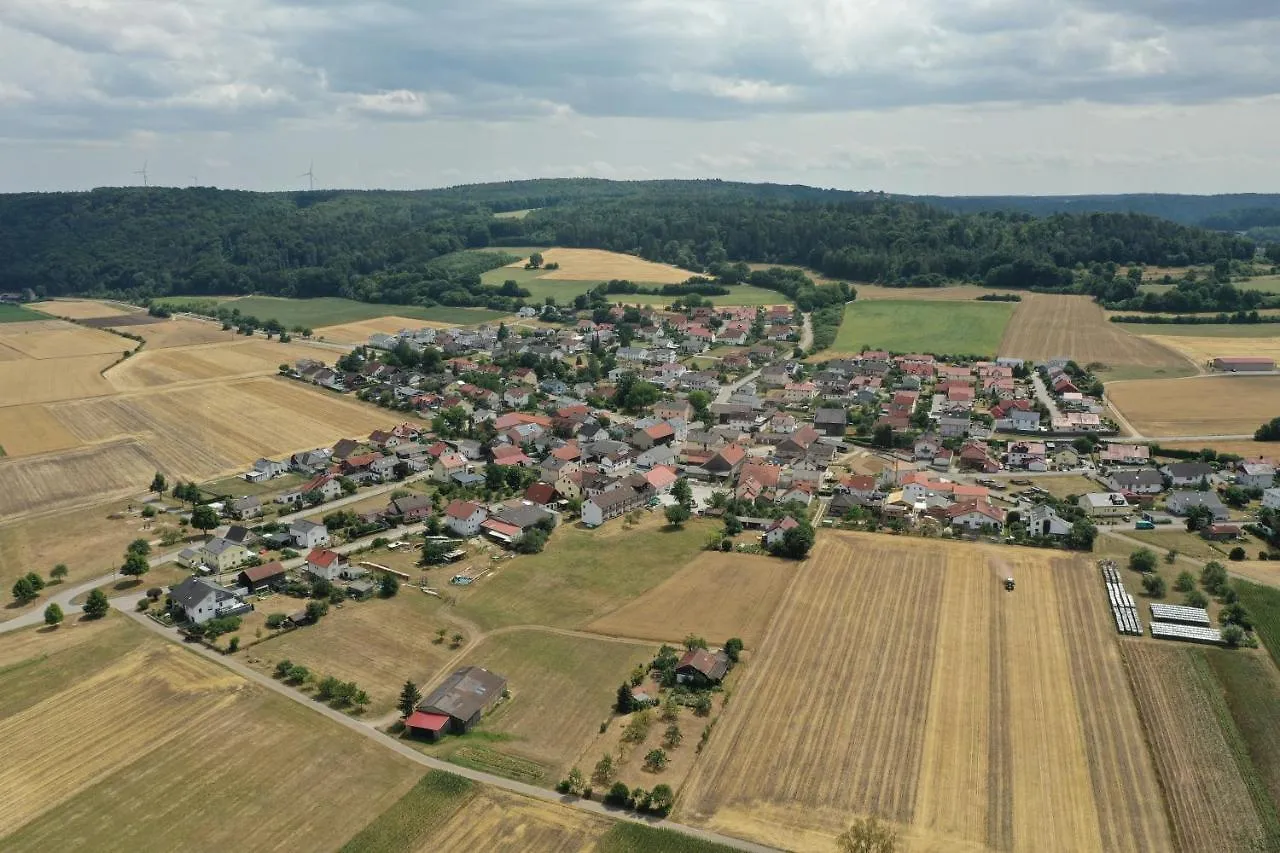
900 679
1047 326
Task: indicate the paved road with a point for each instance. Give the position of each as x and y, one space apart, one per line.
408 752
806 333
726 391
1043 395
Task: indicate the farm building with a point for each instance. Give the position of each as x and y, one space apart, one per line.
266 576
700 667
458 703
1244 364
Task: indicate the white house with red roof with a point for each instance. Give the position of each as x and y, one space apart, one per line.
465 517
323 563
975 515
775 532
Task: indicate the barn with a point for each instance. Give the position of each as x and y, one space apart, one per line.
462 699
1244 364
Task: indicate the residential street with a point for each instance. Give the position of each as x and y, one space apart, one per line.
806 333
1043 395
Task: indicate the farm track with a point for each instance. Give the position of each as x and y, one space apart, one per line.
1131 815
1209 805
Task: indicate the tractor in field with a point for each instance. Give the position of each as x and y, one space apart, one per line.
1008 584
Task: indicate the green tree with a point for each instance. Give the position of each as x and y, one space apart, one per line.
693 641
283 667
655 760
604 770
141 547
868 835
1153 585
59 572
388 586
1213 577
410 696
1185 582
796 542
682 491
53 614
299 674
882 436
672 737
733 649
24 592
1198 518
204 518
1196 598
535 260
576 781
677 514
1143 560
625 702
158 484
732 526
532 542
135 566
1233 635
97 605
316 609
661 799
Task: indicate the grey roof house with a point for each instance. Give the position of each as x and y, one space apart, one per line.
1181 503
200 600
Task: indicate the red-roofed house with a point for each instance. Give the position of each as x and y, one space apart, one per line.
774 533
323 563
541 494
661 478
464 517
726 461
975 515
657 434
326 484
509 454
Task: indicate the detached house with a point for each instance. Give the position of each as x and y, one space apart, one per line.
246 507
1043 520
326 485
323 563
1187 473
307 534
1016 416
702 668
198 600
1181 503
975 515
465 517
223 554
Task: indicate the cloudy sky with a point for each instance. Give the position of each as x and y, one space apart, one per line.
919 96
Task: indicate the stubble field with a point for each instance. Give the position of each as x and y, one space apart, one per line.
81 309
716 596
497 820
232 359
1048 326
1203 349
1208 405
175 753
359 332
599 265
58 339
869 694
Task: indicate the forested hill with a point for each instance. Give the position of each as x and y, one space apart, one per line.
1232 212
388 246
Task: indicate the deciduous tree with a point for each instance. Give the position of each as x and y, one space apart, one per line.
97 605
53 614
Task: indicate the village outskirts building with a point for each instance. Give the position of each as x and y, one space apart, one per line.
198 600
458 703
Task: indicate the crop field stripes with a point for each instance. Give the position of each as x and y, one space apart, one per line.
1123 607
1131 816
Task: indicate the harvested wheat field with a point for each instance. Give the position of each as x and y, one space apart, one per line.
1047 326
34 484
1201 405
359 331
1205 349
1248 448
494 819
716 596
46 339
180 332
1182 709
81 309
26 380
377 643
25 430
152 368
599 265
178 753
928 695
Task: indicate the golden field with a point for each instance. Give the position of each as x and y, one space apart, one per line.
599 265
172 752
83 309
1201 405
868 697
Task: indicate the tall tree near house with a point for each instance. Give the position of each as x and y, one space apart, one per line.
682 492
410 696
677 514
626 701
204 518
141 547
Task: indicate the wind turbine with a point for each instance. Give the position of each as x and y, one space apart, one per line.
143 173
310 175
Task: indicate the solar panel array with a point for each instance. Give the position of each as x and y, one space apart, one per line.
1178 613
1123 607
1191 633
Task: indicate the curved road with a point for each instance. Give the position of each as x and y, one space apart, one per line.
408 752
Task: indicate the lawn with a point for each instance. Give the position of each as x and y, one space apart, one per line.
550 676
1175 536
954 328
333 311
414 818
1252 691
582 575
10 313
239 487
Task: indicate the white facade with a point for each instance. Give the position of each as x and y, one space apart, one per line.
308 535
1271 498
468 526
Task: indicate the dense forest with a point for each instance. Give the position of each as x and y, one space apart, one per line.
405 247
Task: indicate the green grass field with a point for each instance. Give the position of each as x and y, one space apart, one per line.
333 311
957 328
581 576
1252 691
10 313
411 820
627 837
1263 604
